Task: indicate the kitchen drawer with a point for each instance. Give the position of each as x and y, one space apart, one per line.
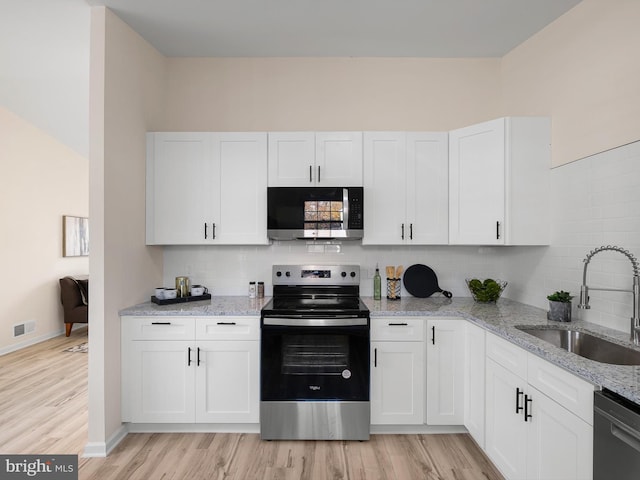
573 393
510 356
159 328
228 328
401 329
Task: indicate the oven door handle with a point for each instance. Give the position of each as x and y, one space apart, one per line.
316 322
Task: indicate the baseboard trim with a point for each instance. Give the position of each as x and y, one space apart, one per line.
31 341
102 449
193 427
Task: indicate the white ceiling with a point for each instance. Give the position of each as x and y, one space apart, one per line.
337 28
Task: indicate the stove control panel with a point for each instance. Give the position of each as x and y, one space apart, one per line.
316 275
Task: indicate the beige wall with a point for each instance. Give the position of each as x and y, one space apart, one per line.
41 181
126 99
584 71
226 94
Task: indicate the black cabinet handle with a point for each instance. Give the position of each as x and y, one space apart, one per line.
310 174
189 357
198 357
498 230
205 230
160 323
226 323
375 357
527 409
213 231
402 235
318 173
398 324
411 231
433 335
519 393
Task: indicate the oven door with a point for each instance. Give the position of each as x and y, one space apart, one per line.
315 359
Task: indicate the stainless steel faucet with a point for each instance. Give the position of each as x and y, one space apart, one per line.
635 289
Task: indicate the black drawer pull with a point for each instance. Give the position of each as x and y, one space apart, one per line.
398 324
519 394
160 323
198 357
527 408
189 357
375 357
226 323
433 335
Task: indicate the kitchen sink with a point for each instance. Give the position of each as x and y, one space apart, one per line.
586 345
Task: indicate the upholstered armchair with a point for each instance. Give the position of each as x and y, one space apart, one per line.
74 295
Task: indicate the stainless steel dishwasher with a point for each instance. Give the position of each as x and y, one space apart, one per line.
616 437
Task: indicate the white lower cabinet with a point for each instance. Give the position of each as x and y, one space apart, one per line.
190 370
529 435
161 382
474 382
445 371
397 371
227 382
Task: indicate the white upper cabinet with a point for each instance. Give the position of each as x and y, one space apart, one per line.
242 159
405 188
323 159
206 188
180 197
499 182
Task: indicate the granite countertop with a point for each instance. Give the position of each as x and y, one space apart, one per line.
217 306
500 318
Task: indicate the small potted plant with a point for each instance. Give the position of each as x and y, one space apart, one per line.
559 306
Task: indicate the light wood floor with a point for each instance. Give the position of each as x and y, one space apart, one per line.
43 409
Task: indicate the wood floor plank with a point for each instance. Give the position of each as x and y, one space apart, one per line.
43 409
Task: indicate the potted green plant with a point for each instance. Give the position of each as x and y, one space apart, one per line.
559 306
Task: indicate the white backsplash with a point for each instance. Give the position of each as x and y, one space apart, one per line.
596 201
228 269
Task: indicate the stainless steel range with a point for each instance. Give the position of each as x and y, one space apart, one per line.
314 382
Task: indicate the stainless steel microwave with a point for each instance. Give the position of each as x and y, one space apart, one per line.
315 213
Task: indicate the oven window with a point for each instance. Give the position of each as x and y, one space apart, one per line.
314 355
314 363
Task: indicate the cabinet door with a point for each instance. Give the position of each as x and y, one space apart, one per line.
506 435
162 380
477 184
181 181
338 159
445 372
291 159
242 192
427 188
474 385
384 188
559 444
228 381
397 383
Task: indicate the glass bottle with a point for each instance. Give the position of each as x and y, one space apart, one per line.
377 285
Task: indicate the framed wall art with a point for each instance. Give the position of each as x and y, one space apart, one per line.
75 236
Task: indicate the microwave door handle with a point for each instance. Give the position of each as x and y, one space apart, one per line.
345 208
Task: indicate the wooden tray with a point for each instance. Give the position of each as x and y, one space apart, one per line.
169 301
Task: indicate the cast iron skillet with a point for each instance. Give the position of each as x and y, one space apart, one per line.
421 281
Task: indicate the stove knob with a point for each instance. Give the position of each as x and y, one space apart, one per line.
288 274
353 274
344 274
278 274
